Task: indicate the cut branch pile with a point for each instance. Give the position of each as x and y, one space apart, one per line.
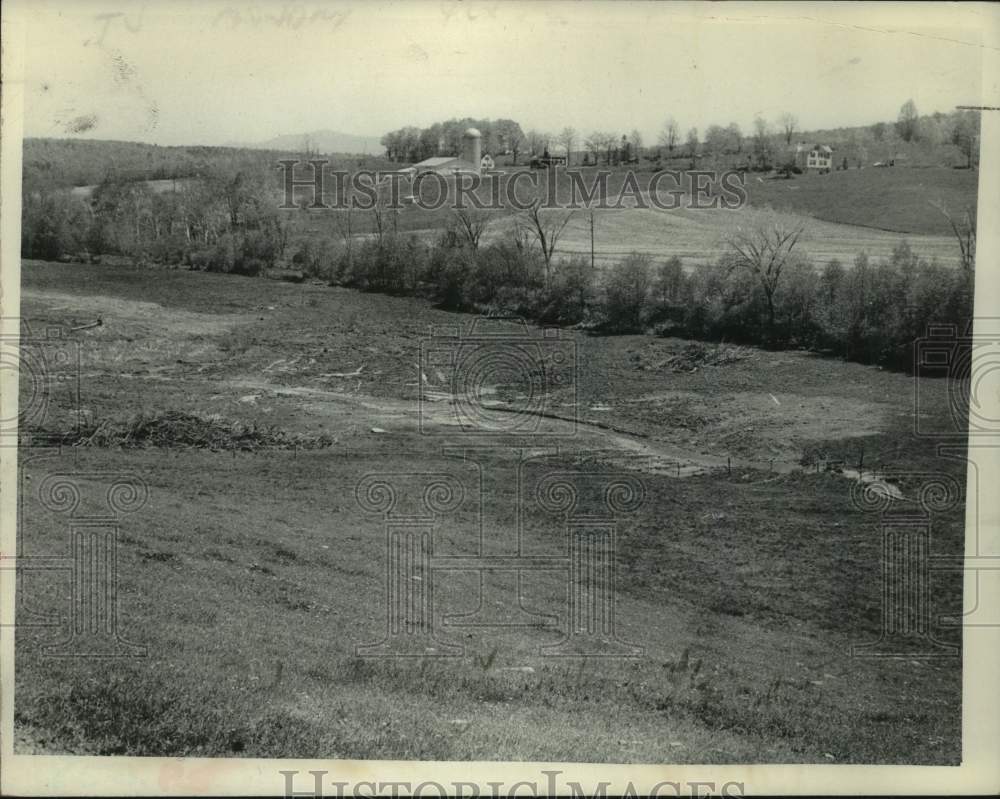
696 355
179 429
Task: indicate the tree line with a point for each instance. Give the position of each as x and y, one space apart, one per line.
761 290
768 145
221 221
58 163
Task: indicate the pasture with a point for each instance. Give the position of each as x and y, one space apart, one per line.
898 199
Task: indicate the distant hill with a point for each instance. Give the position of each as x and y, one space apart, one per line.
50 163
320 141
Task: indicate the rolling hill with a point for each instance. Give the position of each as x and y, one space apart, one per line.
321 141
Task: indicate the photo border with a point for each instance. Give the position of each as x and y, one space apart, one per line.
117 776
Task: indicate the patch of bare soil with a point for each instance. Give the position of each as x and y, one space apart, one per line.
347 363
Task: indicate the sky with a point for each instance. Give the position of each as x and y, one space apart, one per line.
213 73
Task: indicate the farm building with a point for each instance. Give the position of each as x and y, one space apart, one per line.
470 161
444 165
815 156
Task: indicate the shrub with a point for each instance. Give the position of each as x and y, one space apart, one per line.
222 255
449 271
570 294
256 251
520 301
626 293
796 303
671 298
500 266
316 258
670 285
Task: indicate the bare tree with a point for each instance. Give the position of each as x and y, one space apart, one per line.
735 137
309 149
593 143
515 141
965 135
470 224
379 221
545 229
344 225
608 143
716 139
789 125
536 141
670 134
692 142
567 138
762 143
763 245
636 138
964 230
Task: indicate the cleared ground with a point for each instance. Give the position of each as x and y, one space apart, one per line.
252 575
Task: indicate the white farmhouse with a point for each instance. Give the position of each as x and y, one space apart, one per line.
817 157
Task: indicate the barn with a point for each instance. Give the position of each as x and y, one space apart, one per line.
469 162
444 165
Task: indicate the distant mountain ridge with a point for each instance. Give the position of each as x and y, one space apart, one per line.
320 141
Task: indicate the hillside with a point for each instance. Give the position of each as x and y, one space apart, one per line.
899 199
745 587
56 163
319 141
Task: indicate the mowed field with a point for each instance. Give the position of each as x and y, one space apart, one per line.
251 574
698 236
843 214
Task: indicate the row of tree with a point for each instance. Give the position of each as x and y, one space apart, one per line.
770 143
221 221
761 290
767 146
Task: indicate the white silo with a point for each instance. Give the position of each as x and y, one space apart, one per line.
472 148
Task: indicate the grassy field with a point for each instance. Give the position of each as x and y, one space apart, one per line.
252 574
698 236
897 199
843 215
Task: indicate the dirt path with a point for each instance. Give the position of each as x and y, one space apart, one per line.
611 444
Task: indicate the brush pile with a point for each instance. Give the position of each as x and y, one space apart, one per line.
696 355
179 429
